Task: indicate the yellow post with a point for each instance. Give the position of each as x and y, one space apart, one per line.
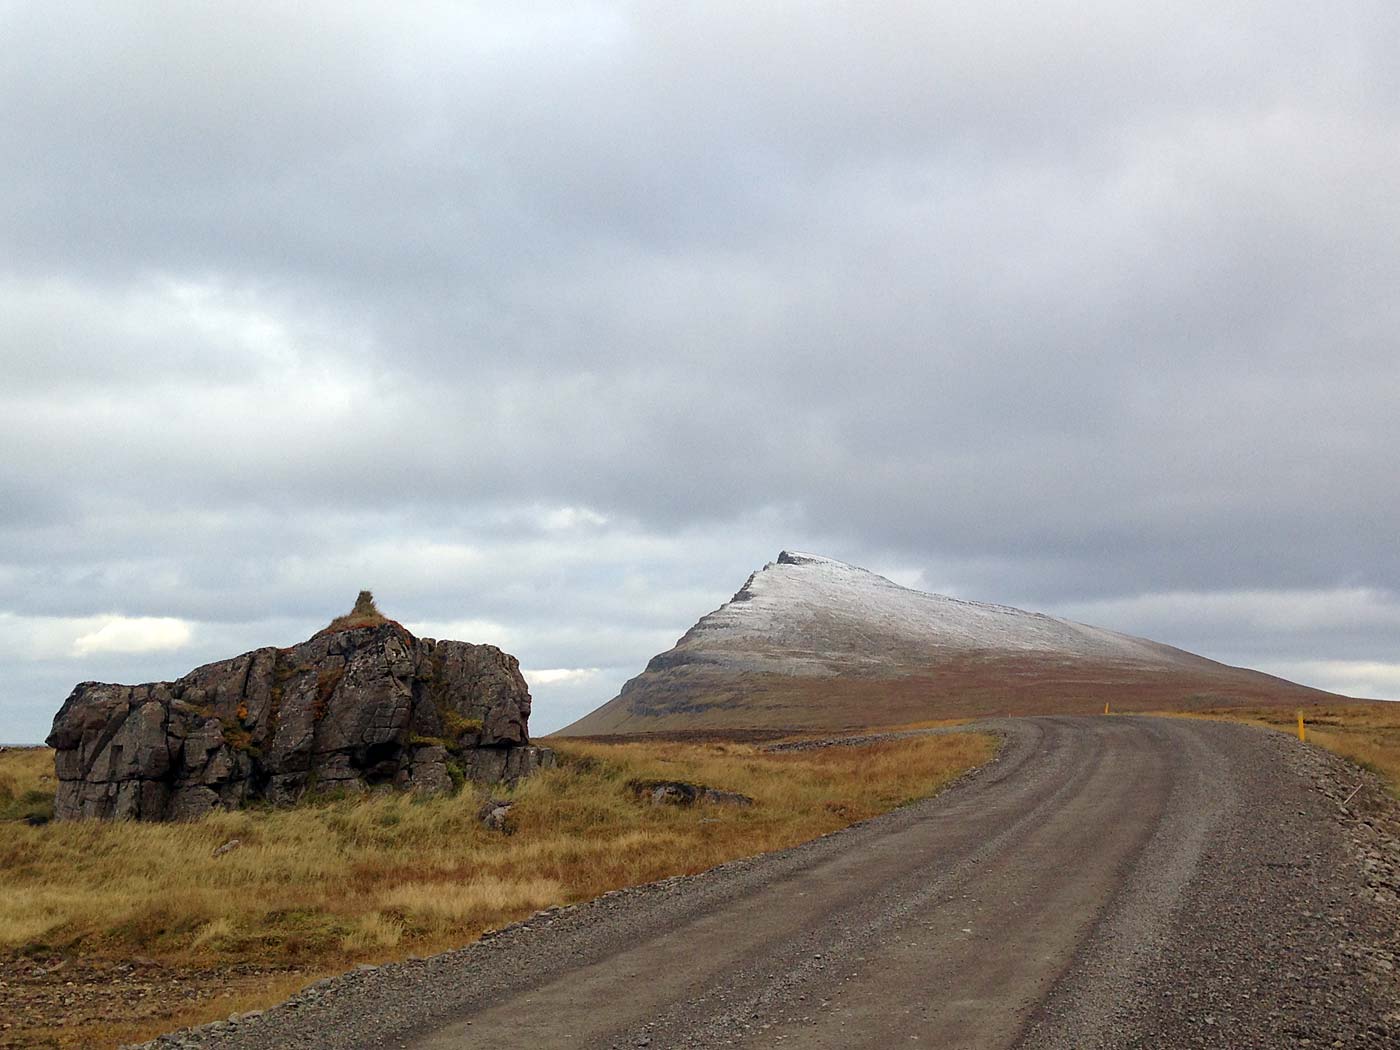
1302 733
1105 707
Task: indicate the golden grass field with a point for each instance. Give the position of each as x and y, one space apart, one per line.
316 889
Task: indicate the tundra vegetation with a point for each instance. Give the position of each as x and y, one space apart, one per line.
315 889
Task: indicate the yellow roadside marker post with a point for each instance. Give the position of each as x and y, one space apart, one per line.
1302 733
1105 707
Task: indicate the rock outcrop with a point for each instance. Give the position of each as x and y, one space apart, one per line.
361 704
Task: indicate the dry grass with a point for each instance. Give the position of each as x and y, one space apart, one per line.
322 887
1366 733
364 614
26 784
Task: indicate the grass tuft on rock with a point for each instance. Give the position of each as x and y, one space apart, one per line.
364 614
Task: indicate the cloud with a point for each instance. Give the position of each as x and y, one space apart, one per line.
143 634
464 630
555 675
41 638
1361 678
551 323
1358 612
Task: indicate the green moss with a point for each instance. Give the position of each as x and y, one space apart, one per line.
459 725
457 775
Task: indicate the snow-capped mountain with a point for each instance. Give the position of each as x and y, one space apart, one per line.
805 614
809 641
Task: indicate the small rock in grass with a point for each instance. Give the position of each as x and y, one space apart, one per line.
683 793
495 814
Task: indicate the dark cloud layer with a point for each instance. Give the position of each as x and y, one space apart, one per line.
556 320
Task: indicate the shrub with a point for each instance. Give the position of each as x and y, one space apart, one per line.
459 725
457 775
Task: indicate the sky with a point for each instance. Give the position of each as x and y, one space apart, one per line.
550 323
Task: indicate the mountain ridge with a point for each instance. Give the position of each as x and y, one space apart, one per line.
812 642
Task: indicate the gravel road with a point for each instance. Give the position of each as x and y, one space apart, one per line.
1105 882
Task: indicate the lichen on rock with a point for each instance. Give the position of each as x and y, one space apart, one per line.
361 704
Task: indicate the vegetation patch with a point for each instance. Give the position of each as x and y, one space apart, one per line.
364 614
315 889
456 774
26 785
237 738
458 726
326 682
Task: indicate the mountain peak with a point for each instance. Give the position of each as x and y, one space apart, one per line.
807 635
802 558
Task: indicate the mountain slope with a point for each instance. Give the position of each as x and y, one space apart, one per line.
809 642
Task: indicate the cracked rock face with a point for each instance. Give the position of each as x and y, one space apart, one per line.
352 709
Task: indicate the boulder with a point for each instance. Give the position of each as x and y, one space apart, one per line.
495 814
360 705
684 793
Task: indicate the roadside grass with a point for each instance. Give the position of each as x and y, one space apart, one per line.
1366 733
324 886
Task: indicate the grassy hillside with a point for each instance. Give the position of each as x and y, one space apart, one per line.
114 932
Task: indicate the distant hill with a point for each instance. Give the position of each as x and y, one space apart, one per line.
812 643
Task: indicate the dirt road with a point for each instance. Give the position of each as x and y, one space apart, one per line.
1107 882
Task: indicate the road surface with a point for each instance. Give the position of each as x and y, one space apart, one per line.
1106 882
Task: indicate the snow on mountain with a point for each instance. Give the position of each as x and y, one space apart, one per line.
812 643
805 614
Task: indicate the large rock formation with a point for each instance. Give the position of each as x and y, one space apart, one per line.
363 703
812 643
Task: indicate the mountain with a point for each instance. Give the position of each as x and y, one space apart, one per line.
813 643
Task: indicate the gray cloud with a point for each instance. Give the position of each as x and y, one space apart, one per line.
563 318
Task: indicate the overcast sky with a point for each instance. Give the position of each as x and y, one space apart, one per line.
551 322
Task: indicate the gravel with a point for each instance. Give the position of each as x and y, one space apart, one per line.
1285 935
